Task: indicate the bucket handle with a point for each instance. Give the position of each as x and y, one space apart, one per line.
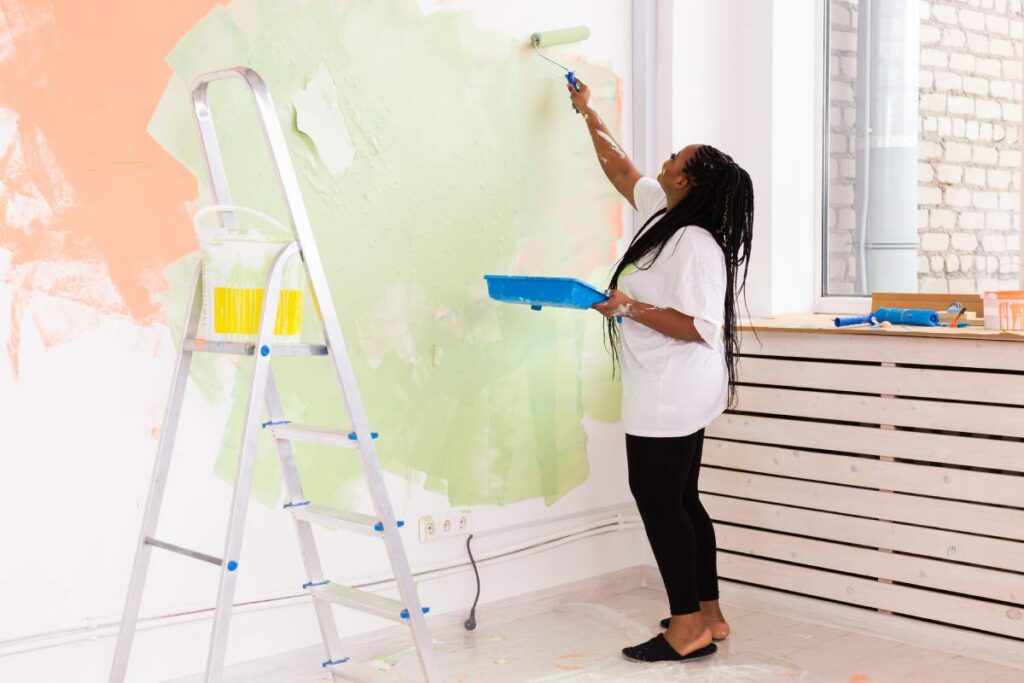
232 208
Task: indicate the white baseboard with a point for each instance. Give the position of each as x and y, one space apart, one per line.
990 648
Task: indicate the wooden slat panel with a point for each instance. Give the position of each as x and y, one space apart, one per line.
919 602
942 482
932 448
895 507
955 417
955 385
962 353
991 584
947 545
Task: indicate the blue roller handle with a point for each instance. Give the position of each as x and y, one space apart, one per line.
895 316
859 320
571 77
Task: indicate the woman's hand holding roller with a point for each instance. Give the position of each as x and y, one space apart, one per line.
580 98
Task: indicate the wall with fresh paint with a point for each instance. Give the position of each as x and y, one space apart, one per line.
433 147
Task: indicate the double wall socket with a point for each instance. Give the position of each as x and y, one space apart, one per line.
454 523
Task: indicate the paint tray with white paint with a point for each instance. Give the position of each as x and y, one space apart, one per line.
538 292
236 259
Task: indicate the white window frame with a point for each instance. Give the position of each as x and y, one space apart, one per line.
823 303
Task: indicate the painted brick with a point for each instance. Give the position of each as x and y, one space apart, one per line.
958 61
975 176
946 80
970 220
1000 48
957 151
973 85
934 57
997 220
985 200
943 14
993 243
952 263
963 105
954 38
957 196
985 109
938 264
948 173
934 241
964 241
941 219
985 155
998 180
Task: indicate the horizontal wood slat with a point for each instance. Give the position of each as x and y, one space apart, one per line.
920 446
954 385
942 482
921 414
991 584
960 353
939 543
919 602
895 507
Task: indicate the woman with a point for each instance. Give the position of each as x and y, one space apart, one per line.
675 290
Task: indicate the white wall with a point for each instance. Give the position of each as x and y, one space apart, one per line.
70 528
744 82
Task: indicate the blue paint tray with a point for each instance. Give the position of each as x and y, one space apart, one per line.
537 292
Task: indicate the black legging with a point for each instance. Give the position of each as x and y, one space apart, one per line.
663 475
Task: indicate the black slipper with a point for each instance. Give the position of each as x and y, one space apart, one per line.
657 649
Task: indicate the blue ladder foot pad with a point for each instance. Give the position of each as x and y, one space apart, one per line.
232 566
379 526
296 504
314 584
332 662
405 613
273 423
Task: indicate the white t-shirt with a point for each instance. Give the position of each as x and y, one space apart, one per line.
673 387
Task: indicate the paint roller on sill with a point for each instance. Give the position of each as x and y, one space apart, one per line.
560 36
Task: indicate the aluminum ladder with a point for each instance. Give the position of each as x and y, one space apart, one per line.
263 392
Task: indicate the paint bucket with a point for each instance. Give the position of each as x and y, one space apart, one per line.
235 262
1004 310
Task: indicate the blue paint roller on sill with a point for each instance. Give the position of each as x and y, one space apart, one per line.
895 316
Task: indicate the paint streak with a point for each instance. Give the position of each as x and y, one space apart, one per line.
83 180
82 187
467 161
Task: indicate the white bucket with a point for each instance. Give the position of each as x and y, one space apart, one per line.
235 263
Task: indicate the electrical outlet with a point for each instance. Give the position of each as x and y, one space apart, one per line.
451 524
428 529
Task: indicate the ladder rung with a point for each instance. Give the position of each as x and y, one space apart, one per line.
340 519
323 435
371 603
248 348
195 554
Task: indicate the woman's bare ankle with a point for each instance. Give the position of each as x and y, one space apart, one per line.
715 620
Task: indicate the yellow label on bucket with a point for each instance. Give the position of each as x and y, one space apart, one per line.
236 310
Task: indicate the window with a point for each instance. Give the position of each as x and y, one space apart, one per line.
922 184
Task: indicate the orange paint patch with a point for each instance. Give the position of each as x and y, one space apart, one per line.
84 83
560 663
859 678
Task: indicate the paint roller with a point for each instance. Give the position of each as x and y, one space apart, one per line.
893 316
560 36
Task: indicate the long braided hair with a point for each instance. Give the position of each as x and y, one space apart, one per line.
720 200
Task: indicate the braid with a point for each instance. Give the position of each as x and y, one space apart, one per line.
720 200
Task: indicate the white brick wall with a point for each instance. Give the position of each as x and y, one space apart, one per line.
969 153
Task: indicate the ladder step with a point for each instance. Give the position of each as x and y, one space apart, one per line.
339 519
249 349
187 552
327 436
371 603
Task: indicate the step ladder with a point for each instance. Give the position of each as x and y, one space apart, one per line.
263 393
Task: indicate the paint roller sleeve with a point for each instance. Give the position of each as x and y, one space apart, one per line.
560 36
